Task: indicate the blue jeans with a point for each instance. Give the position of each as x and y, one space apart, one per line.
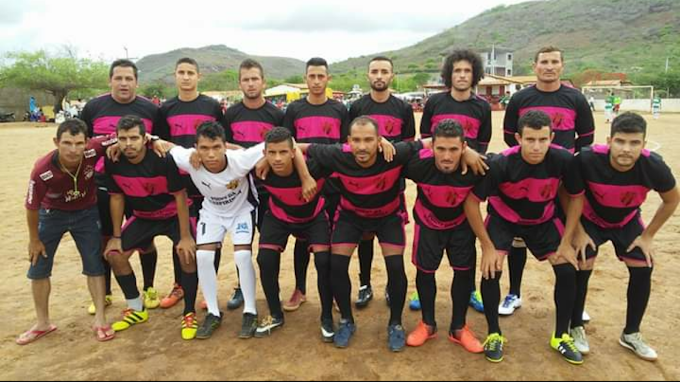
85 228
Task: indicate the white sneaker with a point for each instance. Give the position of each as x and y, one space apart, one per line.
586 317
637 345
580 339
509 305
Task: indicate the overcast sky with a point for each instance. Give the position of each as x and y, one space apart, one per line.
335 30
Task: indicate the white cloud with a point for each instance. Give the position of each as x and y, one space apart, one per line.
299 29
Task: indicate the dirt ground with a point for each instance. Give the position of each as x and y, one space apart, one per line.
155 351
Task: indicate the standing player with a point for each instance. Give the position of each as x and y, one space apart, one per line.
156 194
441 226
62 197
246 124
574 128
369 204
224 179
462 71
616 179
293 214
522 188
656 107
178 121
316 119
397 124
101 116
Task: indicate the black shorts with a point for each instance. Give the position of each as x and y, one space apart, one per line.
429 246
622 238
138 234
263 206
275 232
542 240
350 229
332 204
104 207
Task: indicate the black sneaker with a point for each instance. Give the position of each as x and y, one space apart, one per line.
268 326
328 331
249 326
365 296
493 348
396 338
236 300
209 326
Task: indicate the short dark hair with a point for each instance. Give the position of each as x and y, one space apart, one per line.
382 58
449 128
549 49
463 55
188 60
629 123
534 119
278 135
316 61
364 121
248 64
73 127
123 64
212 131
130 122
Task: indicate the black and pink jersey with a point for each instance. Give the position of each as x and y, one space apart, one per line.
569 110
395 117
179 120
370 193
474 115
324 124
101 115
149 186
521 193
286 202
53 189
249 127
441 197
613 198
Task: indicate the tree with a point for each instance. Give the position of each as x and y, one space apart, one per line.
421 79
298 79
56 75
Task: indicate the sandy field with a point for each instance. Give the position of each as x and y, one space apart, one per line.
155 350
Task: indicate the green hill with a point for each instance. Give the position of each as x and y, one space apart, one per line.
214 59
628 36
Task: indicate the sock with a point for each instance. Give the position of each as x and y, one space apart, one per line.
218 259
397 286
366 253
208 278
107 278
517 261
244 262
427 291
322 262
177 267
128 284
301 261
190 286
582 279
491 294
149 261
342 287
565 296
460 294
270 266
639 290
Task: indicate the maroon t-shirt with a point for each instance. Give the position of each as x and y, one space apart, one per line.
53 189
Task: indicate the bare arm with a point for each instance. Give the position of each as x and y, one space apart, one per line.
35 247
645 242
574 209
187 246
117 211
492 261
309 186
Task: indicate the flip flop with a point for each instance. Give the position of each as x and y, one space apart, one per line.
34 335
104 333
